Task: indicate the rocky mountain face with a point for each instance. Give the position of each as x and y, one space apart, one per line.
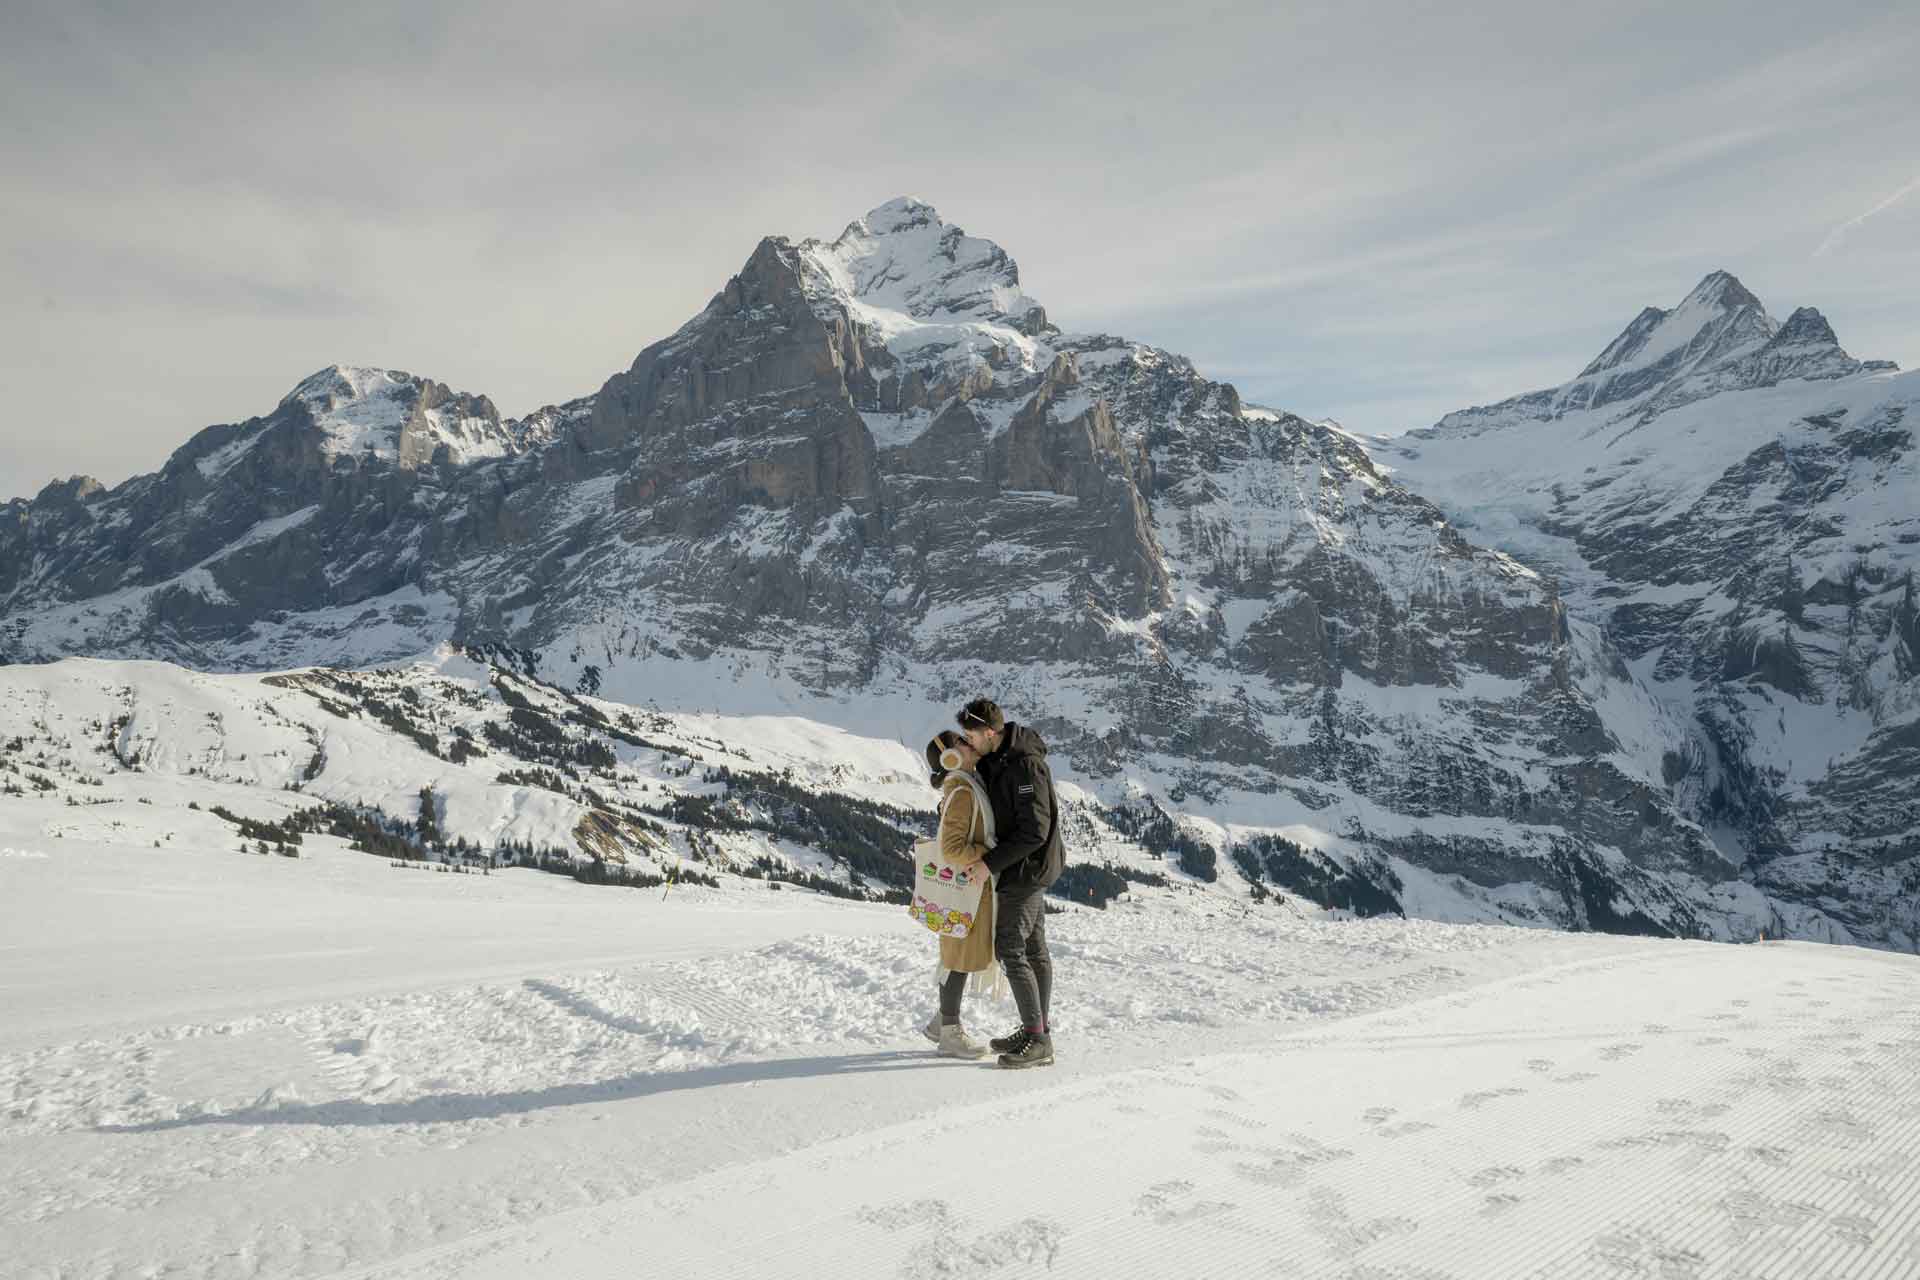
870 479
1737 503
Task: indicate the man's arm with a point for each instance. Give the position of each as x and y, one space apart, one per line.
1032 812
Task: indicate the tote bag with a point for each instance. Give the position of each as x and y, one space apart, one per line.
946 896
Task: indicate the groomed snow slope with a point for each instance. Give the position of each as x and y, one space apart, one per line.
218 1064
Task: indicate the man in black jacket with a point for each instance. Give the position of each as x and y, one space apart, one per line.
1028 857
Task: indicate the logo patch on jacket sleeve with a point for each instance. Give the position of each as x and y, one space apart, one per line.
1027 790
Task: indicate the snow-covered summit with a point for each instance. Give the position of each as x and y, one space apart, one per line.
1720 337
398 417
903 257
1719 318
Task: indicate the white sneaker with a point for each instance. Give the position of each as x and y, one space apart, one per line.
955 1043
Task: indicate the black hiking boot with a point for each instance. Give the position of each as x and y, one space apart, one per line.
1007 1042
1030 1050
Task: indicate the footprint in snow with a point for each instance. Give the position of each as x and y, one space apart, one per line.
1344 1235
1405 1128
1289 1164
1540 1066
1171 1203
935 1214
1751 1212
1615 1052
1215 1142
1698 1140
1841 1124
1635 1251
1027 1242
1474 1101
1494 1175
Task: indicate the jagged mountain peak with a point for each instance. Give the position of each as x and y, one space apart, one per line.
1722 290
1806 327
899 213
903 257
1717 316
1718 338
398 417
73 490
339 385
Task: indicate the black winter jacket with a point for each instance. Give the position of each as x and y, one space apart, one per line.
1030 853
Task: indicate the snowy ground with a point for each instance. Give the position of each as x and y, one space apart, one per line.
218 1064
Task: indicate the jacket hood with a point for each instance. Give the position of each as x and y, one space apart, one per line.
1022 741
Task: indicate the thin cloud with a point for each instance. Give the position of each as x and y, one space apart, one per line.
203 205
1837 236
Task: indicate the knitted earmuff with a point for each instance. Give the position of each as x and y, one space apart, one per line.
949 759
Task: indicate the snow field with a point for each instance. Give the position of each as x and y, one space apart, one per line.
224 1065
1671 1109
227 1065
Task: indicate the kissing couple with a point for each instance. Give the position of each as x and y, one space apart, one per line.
998 816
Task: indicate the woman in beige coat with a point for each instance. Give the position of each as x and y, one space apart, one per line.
966 833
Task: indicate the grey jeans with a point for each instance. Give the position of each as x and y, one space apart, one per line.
1020 945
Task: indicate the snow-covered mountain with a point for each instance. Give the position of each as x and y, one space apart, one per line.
871 479
1737 503
454 760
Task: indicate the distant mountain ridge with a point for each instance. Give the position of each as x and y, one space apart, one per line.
1737 502
871 478
1718 338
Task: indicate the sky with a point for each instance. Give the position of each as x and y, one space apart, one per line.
1371 212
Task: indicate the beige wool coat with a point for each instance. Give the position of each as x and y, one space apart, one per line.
962 838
